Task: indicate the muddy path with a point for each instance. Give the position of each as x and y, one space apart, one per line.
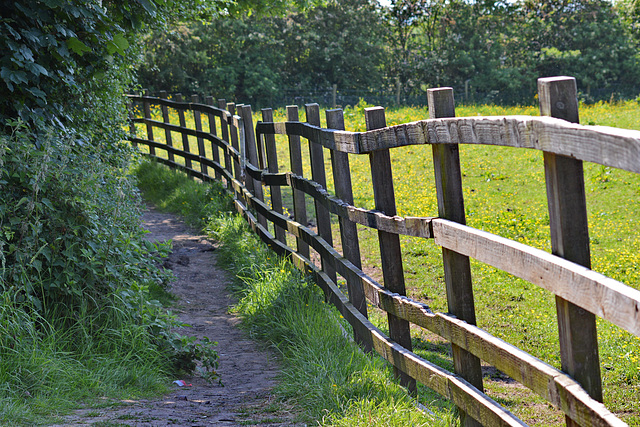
247 370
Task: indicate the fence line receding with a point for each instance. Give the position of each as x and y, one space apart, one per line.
250 162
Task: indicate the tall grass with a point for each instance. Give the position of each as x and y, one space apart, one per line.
325 376
48 370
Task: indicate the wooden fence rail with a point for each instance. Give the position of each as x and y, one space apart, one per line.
250 161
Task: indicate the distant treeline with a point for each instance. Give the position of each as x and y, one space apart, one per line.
490 51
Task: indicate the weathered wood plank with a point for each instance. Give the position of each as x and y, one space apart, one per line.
147 115
570 239
348 231
272 166
408 226
203 108
233 136
215 152
295 159
316 155
457 269
390 251
252 155
191 132
224 130
197 119
607 298
132 123
165 117
346 142
598 144
619 148
183 123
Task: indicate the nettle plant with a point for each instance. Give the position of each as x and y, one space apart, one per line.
71 246
69 233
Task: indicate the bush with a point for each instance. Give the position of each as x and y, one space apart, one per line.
77 319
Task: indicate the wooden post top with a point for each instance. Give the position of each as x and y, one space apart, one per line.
441 102
559 98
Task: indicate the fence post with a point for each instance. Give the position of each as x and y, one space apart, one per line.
323 218
165 119
231 108
197 119
272 166
252 155
295 157
185 137
570 239
212 130
348 230
224 128
390 252
457 269
147 115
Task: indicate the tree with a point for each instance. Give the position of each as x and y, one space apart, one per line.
586 39
339 43
254 57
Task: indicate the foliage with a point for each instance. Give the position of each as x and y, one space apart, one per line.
53 48
66 230
255 57
340 43
492 51
47 46
236 55
75 272
584 39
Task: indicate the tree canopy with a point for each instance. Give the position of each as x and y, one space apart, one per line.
493 49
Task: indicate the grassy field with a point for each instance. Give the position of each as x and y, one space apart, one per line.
505 194
325 379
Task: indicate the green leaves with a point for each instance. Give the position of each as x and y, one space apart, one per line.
118 45
56 46
12 77
77 46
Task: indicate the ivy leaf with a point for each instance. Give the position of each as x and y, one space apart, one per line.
118 44
37 93
77 46
36 69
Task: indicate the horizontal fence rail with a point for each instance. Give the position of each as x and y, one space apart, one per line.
250 163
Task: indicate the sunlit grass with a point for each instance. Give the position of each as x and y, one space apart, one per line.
326 379
505 194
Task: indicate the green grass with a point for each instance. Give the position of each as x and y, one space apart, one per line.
47 370
505 194
326 377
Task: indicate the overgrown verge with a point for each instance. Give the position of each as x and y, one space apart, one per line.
325 375
79 319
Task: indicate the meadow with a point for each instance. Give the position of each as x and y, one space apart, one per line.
505 194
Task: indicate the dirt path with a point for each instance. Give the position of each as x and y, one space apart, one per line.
246 370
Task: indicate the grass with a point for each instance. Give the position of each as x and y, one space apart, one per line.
505 194
47 371
326 377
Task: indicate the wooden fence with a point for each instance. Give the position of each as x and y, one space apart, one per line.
244 158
